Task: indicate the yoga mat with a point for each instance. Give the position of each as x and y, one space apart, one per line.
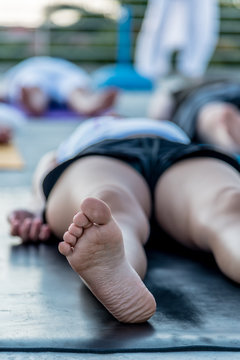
46 307
10 157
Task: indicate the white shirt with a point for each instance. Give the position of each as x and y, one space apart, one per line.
98 129
56 77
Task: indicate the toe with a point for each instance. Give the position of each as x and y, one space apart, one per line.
64 248
69 238
81 220
96 210
75 230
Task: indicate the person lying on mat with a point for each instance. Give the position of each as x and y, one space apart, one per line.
42 82
103 185
207 110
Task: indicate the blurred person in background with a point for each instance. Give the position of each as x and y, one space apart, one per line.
41 83
208 111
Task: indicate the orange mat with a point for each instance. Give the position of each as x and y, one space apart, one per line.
10 158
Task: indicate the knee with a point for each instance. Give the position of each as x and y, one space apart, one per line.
226 114
224 205
228 201
215 218
228 110
118 197
115 196
125 208
214 115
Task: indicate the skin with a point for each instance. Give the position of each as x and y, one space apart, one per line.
102 223
5 134
28 226
218 123
91 103
35 102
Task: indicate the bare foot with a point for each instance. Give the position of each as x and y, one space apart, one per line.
94 248
89 104
34 100
28 226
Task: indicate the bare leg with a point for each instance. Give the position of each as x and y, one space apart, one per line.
205 213
219 124
34 100
104 206
91 103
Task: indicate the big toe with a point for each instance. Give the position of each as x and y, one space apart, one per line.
96 210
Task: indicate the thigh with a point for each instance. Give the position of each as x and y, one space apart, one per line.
93 176
219 123
192 193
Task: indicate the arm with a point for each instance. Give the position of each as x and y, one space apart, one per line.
29 224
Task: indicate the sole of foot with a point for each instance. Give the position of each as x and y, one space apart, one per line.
93 246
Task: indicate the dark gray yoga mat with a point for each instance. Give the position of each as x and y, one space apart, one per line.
45 307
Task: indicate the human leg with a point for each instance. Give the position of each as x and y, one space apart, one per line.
219 124
204 214
101 207
89 103
33 100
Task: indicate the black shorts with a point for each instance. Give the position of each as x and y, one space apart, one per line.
149 156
